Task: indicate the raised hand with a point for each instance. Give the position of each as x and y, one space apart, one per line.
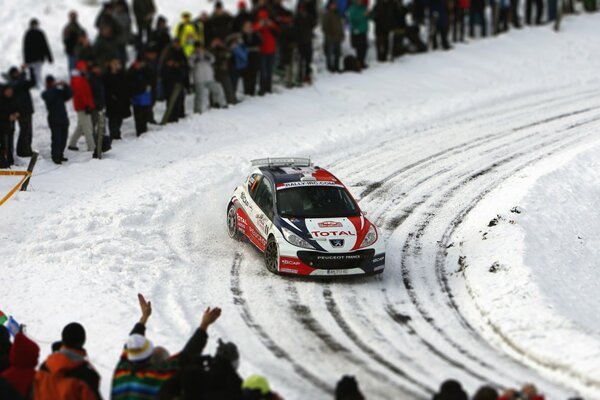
209 317
145 307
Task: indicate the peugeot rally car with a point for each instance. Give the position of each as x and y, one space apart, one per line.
304 220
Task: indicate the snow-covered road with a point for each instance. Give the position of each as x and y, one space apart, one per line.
424 143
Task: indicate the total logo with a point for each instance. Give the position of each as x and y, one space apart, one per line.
330 224
317 234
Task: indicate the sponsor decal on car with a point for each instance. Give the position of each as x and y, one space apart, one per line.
330 224
337 242
288 185
289 262
245 201
317 234
338 257
288 270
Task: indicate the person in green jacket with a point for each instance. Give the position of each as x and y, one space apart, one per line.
358 18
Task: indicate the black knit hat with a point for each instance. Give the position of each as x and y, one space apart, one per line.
347 388
73 335
227 351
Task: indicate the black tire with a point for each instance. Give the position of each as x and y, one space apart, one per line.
232 229
272 255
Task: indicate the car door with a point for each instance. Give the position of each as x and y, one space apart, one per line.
262 211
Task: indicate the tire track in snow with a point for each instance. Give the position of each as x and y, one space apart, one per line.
268 342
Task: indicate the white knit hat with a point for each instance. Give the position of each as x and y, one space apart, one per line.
138 348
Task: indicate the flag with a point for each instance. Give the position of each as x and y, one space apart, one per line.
13 326
2 318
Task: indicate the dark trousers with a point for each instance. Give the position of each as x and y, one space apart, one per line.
539 10
477 16
144 30
306 58
266 73
141 115
383 46
224 79
25 134
359 44
333 53
60 133
458 25
249 76
514 13
6 144
178 103
552 9
114 127
503 19
441 32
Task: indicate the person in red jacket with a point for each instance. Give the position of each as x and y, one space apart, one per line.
267 30
83 102
24 355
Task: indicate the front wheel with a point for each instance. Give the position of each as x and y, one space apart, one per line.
232 228
272 255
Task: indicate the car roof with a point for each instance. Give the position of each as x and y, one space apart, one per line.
287 174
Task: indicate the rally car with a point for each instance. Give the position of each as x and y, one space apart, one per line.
304 220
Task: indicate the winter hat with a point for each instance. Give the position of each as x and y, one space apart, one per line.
81 65
263 14
50 79
227 351
139 348
241 4
73 336
451 390
257 382
13 71
486 393
347 388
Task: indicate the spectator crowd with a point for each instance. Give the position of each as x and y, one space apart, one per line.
147 371
116 73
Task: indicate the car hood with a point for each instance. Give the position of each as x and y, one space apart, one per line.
330 234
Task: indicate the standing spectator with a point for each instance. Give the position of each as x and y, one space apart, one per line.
71 33
223 60
240 59
174 74
106 18
187 33
22 86
383 16
486 393
36 49
503 15
241 17
160 37
252 41
401 29
304 23
539 11
98 115
24 356
333 33
83 103
267 29
144 11
137 377
461 8
67 374
358 18
150 56
121 15
285 41
219 25
8 116
201 63
477 17
257 387
55 96
514 13
117 98
140 79
84 51
106 47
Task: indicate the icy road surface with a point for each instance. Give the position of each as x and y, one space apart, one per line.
430 145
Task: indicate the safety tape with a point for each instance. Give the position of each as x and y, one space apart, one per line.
24 174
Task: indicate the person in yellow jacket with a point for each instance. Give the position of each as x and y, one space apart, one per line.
188 33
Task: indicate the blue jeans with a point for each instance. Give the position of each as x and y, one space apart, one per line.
266 72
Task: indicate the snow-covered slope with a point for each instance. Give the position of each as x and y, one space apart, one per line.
418 141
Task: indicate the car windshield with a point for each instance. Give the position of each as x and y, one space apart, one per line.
316 202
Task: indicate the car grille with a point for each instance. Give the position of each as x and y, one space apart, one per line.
318 260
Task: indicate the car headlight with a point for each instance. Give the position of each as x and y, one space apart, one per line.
370 238
295 239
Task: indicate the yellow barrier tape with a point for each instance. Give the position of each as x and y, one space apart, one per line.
25 174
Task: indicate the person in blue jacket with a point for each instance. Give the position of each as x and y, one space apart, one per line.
55 96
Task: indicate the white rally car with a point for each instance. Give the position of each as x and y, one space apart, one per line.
304 220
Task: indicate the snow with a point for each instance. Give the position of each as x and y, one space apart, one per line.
150 218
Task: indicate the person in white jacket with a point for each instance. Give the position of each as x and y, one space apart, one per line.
201 63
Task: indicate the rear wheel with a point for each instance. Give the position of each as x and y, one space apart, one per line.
272 255
232 228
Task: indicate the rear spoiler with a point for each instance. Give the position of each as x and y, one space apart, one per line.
282 162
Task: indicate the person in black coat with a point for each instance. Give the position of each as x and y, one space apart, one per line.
174 71
160 38
219 25
241 17
304 23
252 41
55 96
22 85
36 49
8 116
116 90
71 33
